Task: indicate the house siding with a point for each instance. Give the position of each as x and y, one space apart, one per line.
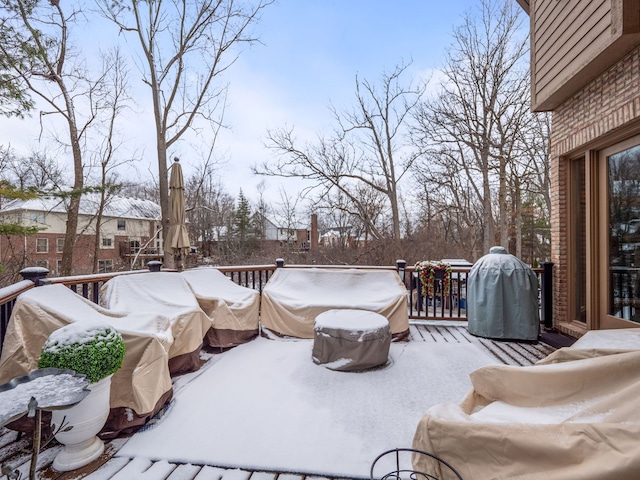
573 42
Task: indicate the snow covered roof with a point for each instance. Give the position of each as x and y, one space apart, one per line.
281 221
457 262
119 207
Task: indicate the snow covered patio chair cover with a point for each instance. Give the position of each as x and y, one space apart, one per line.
165 294
294 297
233 309
573 415
138 390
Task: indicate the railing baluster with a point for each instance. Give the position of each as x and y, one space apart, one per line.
452 306
96 292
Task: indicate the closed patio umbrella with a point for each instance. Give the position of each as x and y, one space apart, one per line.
177 240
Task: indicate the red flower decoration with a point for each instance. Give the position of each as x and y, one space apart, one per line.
427 274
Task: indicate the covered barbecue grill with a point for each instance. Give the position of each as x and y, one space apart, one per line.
502 296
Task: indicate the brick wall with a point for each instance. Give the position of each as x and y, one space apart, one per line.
14 256
609 102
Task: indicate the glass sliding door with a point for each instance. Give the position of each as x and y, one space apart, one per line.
622 234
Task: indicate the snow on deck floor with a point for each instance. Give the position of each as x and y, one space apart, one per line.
15 453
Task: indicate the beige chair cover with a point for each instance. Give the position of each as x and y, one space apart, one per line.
233 309
572 416
617 339
142 382
294 297
165 294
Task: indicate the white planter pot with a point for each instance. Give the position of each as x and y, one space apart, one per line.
86 419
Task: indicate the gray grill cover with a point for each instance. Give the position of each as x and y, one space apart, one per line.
502 296
351 340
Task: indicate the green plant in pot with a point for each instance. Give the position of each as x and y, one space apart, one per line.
97 351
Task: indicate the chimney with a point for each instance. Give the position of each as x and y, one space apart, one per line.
314 232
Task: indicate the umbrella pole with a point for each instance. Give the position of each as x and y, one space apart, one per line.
178 262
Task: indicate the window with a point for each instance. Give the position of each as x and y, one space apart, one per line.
122 224
42 245
59 245
59 266
134 246
107 242
579 239
105 266
42 263
37 217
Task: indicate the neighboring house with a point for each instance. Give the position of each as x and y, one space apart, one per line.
282 232
341 237
128 225
585 68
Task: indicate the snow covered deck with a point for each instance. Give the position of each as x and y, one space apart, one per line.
15 451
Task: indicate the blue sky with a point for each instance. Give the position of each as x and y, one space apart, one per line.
311 53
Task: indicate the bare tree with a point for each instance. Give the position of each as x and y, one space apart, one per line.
107 157
529 182
263 210
369 151
186 45
37 170
209 209
470 127
41 56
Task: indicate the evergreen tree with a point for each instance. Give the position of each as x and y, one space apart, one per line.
242 219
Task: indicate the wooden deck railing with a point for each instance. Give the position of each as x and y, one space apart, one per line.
436 307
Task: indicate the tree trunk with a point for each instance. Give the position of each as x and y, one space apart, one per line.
78 184
502 202
518 220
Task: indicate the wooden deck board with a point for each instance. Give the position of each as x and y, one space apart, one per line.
15 451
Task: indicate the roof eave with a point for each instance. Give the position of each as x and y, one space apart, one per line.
524 4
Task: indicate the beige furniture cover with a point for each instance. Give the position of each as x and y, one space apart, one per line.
615 339
574 415
141 386
294 297
233 309
165 294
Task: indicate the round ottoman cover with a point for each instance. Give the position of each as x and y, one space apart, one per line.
351 340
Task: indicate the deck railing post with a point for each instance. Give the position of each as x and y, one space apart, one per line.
35 274
401 265
154 265
546 297
279 262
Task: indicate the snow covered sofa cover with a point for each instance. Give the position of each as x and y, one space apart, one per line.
573 415
138 390
233 309
620 339
165 294
294 297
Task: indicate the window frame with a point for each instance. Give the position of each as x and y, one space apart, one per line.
105 265
107 242
46 245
